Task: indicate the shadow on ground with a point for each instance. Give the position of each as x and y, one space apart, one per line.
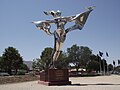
92 84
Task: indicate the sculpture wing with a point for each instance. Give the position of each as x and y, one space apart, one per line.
68 18
44 25
80 20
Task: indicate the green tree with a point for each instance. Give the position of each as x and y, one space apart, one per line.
94 63
117 69
24 67
110 67
11 60
79 56
40 64
95 58
45 59
63 61
74 56
93 66
103 65
34 64
1 63
86 52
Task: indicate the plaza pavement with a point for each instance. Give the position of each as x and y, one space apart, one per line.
78 83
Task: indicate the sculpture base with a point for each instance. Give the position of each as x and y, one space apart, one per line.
54 77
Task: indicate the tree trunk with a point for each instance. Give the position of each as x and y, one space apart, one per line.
10 71
77 69
16 70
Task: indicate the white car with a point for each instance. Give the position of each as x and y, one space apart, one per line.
4 74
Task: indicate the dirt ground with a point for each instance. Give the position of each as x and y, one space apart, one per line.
111 82
17 79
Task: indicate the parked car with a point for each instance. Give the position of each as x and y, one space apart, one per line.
4 74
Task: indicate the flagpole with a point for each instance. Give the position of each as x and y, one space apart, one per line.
107 68
104 66
114 66
107 55
99 58
100 54
100 66
103 62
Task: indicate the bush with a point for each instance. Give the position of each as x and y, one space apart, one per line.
21 73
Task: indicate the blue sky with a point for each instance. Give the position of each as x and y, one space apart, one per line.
101 31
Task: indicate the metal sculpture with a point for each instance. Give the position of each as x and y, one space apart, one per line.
60 33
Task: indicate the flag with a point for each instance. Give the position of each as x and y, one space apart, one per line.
107 54
100 53
113 62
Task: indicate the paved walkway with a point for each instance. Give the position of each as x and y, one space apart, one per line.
79 83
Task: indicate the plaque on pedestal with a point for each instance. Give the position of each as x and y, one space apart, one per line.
55 77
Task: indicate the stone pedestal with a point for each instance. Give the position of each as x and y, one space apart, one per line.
55 77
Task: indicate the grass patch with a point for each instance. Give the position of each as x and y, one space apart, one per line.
17 79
